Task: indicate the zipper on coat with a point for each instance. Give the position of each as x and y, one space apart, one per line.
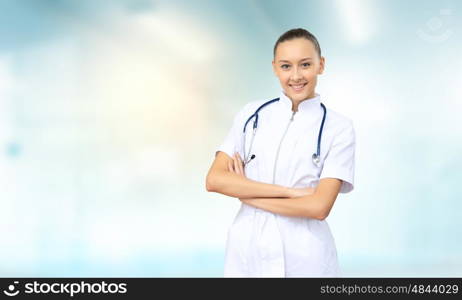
279 148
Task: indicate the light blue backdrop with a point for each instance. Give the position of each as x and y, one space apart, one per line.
111 111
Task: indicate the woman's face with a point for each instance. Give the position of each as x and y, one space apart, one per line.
297 66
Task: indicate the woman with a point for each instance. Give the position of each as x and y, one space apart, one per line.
286 193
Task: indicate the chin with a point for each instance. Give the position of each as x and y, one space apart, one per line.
299 97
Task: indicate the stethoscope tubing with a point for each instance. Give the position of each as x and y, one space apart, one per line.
315 157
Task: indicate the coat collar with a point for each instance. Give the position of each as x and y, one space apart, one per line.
307 105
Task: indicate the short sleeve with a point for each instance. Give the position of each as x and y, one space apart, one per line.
234 139
340 160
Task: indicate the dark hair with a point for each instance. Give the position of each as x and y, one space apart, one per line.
298 33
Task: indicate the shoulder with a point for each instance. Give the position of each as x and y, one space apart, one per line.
338 120
340 126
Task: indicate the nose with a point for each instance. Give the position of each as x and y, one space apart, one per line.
295 76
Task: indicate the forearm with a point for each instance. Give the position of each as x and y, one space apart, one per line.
306 206
234 185
315 205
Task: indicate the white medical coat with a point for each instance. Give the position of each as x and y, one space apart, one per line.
264 244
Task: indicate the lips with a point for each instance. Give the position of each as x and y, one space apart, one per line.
298 87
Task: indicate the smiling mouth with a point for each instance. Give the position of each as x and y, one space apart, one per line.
298 87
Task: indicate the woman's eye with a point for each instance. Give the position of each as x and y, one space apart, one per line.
306 64
285 66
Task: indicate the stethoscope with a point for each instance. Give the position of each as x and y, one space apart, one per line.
316 157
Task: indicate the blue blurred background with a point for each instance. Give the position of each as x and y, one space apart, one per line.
111 112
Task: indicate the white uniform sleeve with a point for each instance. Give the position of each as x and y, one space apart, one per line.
340 160
234 139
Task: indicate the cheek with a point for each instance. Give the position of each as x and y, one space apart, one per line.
284 78
310 74
311 77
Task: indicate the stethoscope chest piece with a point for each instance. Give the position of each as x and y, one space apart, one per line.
316 159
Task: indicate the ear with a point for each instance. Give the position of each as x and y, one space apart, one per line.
322 63
274 67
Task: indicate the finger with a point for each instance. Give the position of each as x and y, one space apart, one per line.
230 166
241 164
236 164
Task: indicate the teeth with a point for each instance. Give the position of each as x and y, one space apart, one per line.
298 86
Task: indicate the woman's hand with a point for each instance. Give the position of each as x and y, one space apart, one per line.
236 166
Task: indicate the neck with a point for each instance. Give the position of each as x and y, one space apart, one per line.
296 103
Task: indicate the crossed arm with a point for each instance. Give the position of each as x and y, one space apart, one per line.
226 176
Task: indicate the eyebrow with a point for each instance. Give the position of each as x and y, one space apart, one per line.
306 58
